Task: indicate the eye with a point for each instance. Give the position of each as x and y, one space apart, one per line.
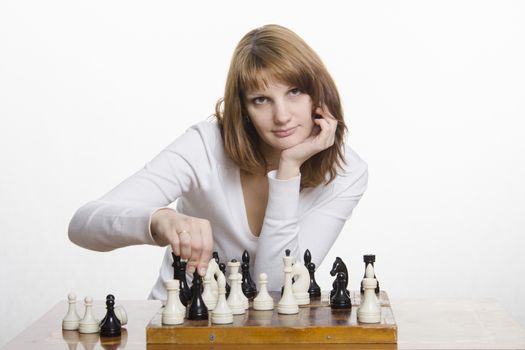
295 92
259 100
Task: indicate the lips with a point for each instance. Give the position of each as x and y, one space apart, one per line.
284 132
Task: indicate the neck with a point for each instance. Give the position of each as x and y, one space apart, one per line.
272 158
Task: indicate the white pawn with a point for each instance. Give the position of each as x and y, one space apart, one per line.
235 301
207 294
263 300
88 324
369 311
72 320
287 305
221 314
302 283
174 310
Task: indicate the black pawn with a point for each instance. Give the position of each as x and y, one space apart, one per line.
314 290
111 325
369 259
197 309
109 296
341 299
222 267
179 273
248 285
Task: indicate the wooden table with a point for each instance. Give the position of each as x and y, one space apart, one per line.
422 324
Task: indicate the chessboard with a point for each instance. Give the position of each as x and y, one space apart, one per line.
316 323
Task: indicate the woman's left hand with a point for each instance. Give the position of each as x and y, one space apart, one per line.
322 137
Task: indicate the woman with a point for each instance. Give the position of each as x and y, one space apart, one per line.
271 173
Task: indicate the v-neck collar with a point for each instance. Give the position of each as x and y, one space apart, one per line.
243 212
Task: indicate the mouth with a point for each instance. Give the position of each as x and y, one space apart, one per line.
284 132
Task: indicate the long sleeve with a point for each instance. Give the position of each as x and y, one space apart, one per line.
316 228
122 216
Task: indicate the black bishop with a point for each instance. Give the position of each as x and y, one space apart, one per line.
248 285
314 290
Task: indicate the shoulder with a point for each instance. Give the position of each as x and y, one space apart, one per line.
207 131
202 140
354 163
205 134
353 175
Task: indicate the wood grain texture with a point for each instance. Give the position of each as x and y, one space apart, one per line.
316 323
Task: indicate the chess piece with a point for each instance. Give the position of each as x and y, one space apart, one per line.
174 310
179 273
104 319
222 267
88 324
340 300
215 256
314 290
222 314
301 283
197 309
248 285
71 321
111 326
369 311
287 304
207 295
339 266
235 301
263 300
121 314
211 273
245 301
369 259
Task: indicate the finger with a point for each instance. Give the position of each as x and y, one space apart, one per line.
185 244
175 243
196 247
326 136
207 247
332 122
323 124
323 111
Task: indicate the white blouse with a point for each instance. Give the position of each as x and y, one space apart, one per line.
196 171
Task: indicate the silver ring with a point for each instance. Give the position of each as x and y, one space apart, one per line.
183 231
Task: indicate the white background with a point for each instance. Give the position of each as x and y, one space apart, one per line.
433 94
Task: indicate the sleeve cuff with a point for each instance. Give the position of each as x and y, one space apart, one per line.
283 196
152 239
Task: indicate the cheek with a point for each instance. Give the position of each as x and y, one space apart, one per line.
310 127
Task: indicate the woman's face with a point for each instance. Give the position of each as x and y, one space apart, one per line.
282 116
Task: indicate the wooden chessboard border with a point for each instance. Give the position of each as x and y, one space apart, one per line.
316 323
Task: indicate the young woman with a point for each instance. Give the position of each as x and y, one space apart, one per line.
270 173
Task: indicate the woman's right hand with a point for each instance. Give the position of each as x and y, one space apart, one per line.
189 237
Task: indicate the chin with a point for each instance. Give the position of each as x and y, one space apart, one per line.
286 143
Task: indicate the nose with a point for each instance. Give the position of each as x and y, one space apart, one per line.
281 113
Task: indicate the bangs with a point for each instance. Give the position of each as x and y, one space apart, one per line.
258 72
